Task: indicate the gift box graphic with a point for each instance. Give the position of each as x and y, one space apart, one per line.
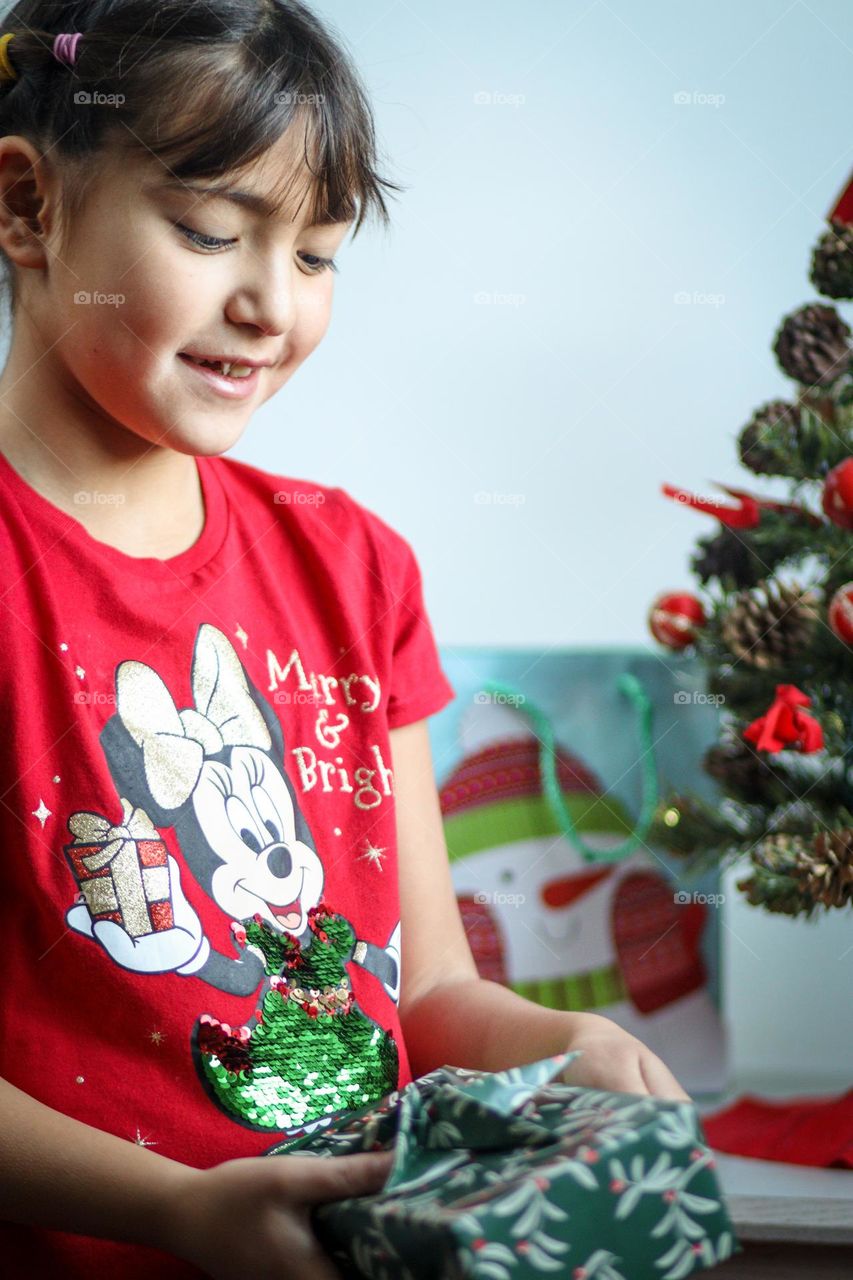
123 870
515 1174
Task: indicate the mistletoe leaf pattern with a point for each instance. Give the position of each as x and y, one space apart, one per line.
496 1178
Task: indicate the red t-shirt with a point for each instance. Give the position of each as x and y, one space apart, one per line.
200 910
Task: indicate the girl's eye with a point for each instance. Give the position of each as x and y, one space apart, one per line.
203 241
316 264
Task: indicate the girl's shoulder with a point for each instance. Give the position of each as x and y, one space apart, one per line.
315 506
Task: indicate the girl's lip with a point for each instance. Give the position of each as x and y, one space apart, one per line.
231 388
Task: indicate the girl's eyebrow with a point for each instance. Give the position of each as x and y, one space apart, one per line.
248 199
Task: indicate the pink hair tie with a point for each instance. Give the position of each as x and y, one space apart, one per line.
65 47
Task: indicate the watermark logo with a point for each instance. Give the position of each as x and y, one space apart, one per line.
500 699
695 98
298 498
85 298
494 898
495 98
494 299
484 498
297 697
683 899
684 298
683 698
94 498
687 499
83 98
288 98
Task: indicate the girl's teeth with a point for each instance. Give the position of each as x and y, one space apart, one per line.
230 370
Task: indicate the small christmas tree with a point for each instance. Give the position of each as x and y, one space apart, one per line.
775 627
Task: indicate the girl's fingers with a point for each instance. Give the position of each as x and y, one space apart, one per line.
306 1257
623 1076
661 1082
338 1177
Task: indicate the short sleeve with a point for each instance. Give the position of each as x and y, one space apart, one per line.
419 684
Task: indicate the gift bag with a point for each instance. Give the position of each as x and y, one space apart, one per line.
550 766
513 1174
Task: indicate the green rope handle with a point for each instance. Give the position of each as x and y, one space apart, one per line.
629 685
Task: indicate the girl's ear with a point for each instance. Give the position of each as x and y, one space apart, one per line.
26 197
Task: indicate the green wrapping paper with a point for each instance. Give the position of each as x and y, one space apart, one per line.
513 1174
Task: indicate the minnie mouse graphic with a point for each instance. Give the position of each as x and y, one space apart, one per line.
215 774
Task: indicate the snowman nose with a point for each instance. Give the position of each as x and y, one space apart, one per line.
559 893
279 861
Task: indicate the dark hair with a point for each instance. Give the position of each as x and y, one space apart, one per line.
206 86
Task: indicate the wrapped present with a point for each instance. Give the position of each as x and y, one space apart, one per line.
122 871
515 1174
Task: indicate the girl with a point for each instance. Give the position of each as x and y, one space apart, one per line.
228 913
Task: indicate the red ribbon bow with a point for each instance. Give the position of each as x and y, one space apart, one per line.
746 515
842 210
785 724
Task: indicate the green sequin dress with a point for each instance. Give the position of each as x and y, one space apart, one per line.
311 1051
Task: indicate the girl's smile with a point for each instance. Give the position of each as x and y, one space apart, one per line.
235 385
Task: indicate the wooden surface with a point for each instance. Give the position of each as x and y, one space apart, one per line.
781 1219
790 1238
762 1260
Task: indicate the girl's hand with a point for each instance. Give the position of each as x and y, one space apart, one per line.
251 1216
613 1059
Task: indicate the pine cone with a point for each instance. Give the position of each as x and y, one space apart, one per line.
771 626
774 883
727 557
742 773
832 262
812 347
770 438
826 872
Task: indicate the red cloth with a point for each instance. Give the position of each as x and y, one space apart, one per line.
815 1132
247 685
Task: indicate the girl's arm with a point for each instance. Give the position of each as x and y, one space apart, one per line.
60 1173
242 1217
449 1014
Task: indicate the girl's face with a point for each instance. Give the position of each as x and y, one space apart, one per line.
152 269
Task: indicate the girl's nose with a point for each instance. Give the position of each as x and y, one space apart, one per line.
269 302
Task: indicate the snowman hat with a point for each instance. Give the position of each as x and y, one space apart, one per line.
495 797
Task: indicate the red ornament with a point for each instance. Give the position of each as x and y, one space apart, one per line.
840 613
838 494
785 724
675 619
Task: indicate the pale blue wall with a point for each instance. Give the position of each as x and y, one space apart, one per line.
595 200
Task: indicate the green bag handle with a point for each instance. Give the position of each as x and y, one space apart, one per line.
631 686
